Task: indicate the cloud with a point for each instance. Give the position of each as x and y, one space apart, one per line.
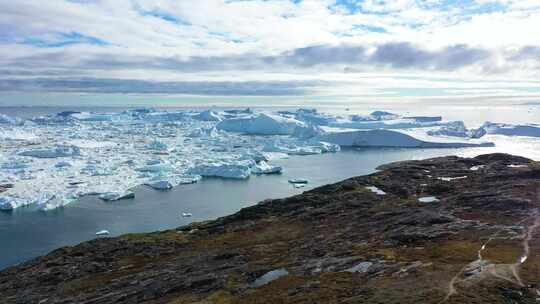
175 41
216 88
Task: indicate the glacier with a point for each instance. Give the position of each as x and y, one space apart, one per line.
51 161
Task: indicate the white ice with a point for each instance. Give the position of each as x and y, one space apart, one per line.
428 199
56 159
532 130
376 190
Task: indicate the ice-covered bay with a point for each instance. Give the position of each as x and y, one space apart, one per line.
53 160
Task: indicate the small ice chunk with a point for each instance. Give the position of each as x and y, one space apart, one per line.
102 233
297 186
264 168
186 214
115 196
160 185
376 190
298 181
156 145
269 277
428 199
63 164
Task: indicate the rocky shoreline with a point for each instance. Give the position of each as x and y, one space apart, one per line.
443 230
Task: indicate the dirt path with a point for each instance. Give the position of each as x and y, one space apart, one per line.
492 268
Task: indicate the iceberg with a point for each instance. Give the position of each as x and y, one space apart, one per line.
72 154
208 115
401 123
395 138
457 129
7 120
260 124
102 233
50 202
298 181
87 116
115 196
58 151
264 168
236 170
311 116
204 133
10 203
160 184
532 130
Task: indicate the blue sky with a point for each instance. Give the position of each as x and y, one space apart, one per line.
343 48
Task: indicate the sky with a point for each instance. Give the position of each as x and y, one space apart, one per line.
358 50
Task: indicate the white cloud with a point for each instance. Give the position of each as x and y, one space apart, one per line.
244 40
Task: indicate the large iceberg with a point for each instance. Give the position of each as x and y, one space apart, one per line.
394 138
261 124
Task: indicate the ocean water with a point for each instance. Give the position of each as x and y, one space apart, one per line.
26 233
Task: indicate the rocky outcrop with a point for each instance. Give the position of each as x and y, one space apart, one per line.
474 242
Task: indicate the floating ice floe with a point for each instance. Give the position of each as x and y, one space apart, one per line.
186 214
298 181
58 151
102 233
116 196
160 184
